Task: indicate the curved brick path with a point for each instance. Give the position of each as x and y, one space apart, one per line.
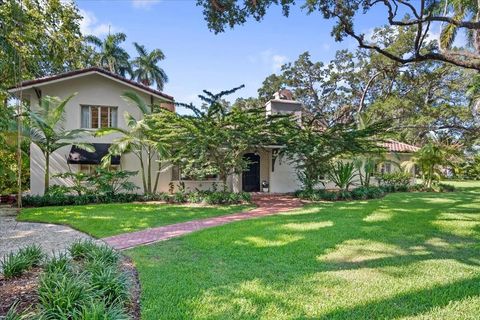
266 205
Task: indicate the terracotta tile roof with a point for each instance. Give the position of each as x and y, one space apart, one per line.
91 70
396 146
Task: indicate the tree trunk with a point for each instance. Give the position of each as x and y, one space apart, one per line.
157 178
149 168
142 167
47 172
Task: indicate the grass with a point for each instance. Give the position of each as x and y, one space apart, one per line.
103 220
408 255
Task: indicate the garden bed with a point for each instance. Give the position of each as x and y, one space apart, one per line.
93 281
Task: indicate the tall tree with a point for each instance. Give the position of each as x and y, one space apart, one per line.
38 38
135 140
46 130
418 16
146 69
111 55
215 138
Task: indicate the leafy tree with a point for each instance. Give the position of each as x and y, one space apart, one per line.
46 130
146 69
135 140
38 38
314 146
111 55
270 85
417 16
215 138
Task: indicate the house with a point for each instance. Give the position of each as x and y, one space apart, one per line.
98 104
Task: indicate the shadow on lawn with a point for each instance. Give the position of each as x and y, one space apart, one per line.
258 261
412 303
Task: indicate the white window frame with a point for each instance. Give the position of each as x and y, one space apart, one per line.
99 120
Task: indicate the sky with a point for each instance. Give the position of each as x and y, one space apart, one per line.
198 59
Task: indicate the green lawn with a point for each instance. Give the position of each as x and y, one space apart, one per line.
408 256
103 220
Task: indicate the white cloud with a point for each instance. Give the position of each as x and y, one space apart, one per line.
91 26
144 4
267 57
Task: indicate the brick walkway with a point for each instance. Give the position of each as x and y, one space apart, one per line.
266 205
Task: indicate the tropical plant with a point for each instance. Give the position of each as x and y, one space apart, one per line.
111 182
134 139
433 157
79 181
342 174
146 69
47 132
366 167
111 55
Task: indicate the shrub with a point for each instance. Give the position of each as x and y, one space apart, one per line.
110 285
342 175
15 264
442 187
395 181
62 295
57 263
99 310
360 193
111 182
89 251
65 200
13 314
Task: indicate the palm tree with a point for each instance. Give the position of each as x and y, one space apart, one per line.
46 131
432 157
134 140
111 56
146 66
459 10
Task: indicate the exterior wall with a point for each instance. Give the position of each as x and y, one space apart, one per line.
284 178
91 89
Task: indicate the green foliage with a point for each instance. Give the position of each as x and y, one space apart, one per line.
61 295
360 193
215 138
46 131
101 311
79 180
395 181
89 251
342 174
111 55
15 264
146 69
110 284
469 169
136 139
111 182
57 263
13 314
30 33
67 200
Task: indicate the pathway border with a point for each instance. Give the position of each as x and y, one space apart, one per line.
266 205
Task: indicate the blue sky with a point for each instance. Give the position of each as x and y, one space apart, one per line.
197 59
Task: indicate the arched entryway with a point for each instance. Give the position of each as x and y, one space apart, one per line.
251 176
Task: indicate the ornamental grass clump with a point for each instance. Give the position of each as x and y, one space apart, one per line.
15 264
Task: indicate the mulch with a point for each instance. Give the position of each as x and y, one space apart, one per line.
23 290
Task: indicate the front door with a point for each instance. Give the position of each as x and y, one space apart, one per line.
251 177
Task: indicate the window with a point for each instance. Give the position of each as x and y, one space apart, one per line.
90 168
386 167
94 117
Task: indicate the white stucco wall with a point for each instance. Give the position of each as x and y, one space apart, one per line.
284 178
91 89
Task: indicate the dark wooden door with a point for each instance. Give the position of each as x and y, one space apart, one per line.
251 177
